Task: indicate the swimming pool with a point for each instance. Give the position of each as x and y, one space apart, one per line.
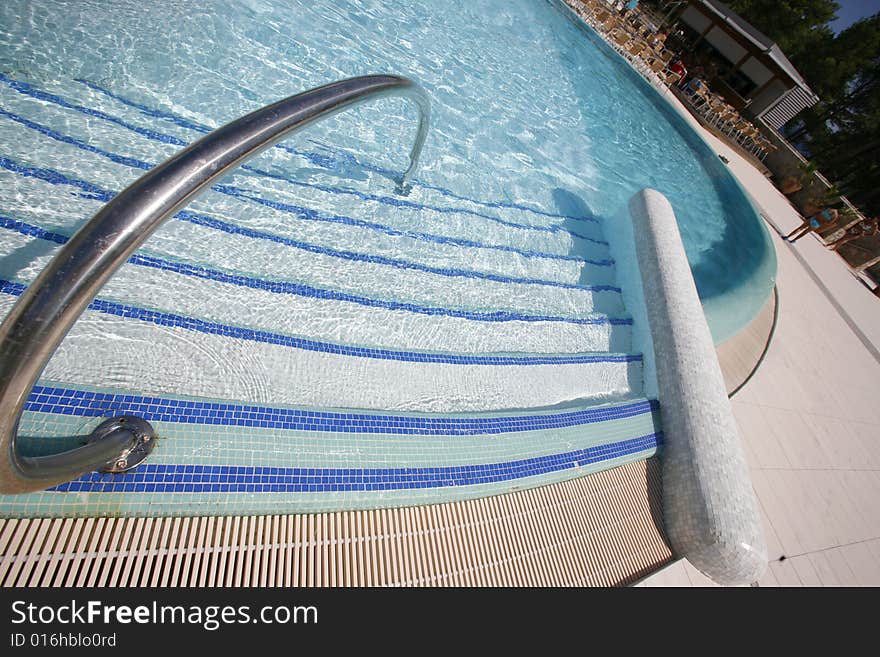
313 339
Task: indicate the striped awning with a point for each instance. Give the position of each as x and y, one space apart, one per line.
788 105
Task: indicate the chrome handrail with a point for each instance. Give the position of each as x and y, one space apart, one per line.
48 308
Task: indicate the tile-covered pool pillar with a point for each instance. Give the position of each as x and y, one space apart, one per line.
709 506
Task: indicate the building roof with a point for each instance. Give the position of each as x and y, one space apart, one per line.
758 38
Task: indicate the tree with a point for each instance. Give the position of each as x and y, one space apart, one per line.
797 26
842 132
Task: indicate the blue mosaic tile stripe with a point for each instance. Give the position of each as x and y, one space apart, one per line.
403 203
303 213
423 237
161 478
93 192
30 230
331 163
88 403
155 113
57 136
88 190
298 289
29 90
214 328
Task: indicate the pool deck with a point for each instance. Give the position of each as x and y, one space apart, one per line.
809 418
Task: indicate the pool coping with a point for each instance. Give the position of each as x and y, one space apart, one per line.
710 509
741 355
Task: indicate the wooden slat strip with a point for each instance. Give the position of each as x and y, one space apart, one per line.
82 531
258 570
48 558
272 535
311 538
172 563
102 539
246 555
439 573
13 548
450 569
224 540
197 550
324 531
140 550
36 553
7 529
181 563
210 547
510 567
465 522
418 570
66 548
297 551
165 555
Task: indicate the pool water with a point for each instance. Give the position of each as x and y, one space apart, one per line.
475 323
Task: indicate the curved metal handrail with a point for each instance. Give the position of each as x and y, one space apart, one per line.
48 308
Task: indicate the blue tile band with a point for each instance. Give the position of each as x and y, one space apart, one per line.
161 478
245 194
29 90
87 189
303 213
254 335
298 289
87 403
154 113
331 163
93 192
57 136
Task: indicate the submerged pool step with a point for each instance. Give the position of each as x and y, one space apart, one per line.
215 456
136 349
116 140
256 261
230 230
159 126
320 156
294 226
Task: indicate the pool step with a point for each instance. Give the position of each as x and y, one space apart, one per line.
218 457
154 351
304 167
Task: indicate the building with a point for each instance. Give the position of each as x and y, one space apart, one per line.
751 72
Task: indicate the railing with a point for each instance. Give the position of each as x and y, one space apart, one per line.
48 308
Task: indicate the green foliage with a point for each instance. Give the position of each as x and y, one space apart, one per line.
842 132
809 168
798 26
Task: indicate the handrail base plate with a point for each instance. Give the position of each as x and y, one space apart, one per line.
143 441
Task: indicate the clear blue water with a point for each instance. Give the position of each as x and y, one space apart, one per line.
526 109
539 136
306 282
